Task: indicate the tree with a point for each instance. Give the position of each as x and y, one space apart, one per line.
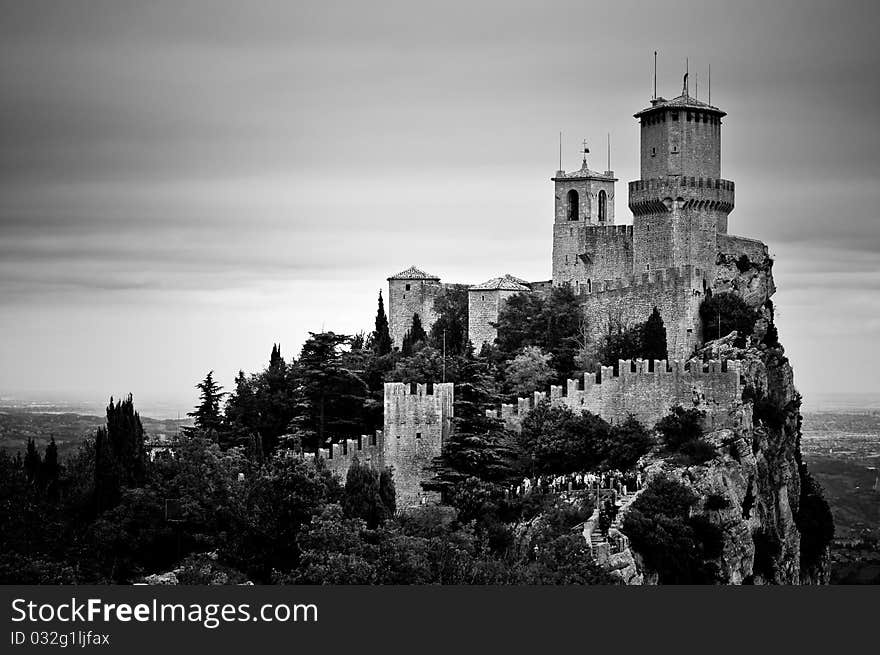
207 416
415 336
330 394
364 496
629 441
552 323
529 371
673 543
451 324
120 455
682 431
653 338
622 341
381 340
557 440
32 462
50 469
722 313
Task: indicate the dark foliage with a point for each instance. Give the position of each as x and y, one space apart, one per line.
814 521
682 432
381 337
674 544
722 313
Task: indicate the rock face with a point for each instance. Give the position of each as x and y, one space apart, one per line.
752 488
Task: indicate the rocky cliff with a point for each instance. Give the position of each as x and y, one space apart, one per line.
774 523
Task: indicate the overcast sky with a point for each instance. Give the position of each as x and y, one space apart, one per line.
184 183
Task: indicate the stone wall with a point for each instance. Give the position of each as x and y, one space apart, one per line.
408 297
418 420
367 449
680 142
677 220
483 308
648 395
583 254
676 292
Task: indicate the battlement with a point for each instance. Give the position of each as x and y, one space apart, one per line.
609 230
367 449
639 391
656 195
649 281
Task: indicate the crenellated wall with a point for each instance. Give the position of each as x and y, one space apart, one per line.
676 292
714 387
418 419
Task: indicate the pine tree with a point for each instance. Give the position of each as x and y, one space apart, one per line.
653 341
120 455
207 415
381 335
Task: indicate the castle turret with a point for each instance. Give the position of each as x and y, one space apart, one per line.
411 292
681 204
584 201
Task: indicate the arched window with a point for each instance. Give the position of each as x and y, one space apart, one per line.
603 201
589 286
573 203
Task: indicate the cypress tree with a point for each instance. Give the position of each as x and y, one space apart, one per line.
50 467
653 344
32 462
381 335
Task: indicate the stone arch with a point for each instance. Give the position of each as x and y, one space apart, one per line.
573 205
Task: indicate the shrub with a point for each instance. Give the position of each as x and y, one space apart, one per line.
716 502
723 313
769 413
814 520
672 543
682 432
743 263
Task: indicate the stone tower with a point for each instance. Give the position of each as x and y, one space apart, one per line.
680 205
411 292
584 202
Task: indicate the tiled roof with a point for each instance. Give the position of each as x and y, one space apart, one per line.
413 273
684 100
505 283
581 174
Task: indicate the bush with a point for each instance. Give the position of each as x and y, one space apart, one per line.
814 520
769 413
743 263
716 502
723 313
671 542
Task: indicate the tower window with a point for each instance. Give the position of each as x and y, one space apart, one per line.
689 116
589 286
407 287
653 152
573 202
675 115
603 201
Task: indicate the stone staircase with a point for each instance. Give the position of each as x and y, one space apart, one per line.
594 537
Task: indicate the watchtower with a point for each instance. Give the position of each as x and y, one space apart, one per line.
680 205
411 292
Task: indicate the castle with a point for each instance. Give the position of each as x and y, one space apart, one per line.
666 258
670 258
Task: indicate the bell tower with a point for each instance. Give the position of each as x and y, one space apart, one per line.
584 199
681 203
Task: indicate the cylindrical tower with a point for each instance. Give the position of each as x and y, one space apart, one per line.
681 203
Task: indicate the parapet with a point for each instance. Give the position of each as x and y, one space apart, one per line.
367 449
650 281
652 195
639 389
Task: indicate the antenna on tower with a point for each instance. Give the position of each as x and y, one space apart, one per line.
710 84
609 152
697 85
655 77
560 150
686 71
